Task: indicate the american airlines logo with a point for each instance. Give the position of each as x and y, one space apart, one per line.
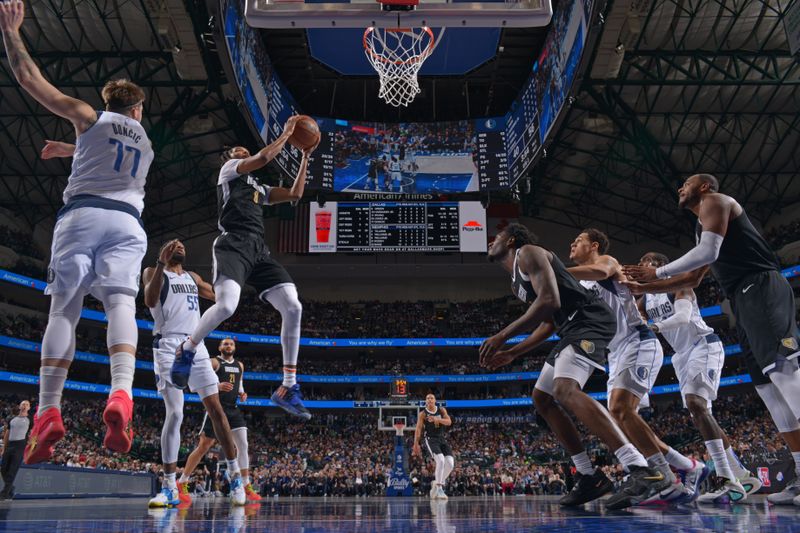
472 225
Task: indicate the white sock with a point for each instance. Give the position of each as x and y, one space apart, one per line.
583 464
720 459
677 460
51 386
289 377
736 465
123 365
246 480
658 462
629 456
233 467
184 478
796 457
169 481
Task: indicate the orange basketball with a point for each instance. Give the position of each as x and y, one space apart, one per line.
306 133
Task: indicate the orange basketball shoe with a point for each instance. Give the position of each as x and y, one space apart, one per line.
118 416
183 493
47 430
251 494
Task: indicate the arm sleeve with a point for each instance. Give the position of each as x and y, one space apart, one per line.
705 253
681 316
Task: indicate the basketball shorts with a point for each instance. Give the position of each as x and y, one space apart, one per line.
97 244
201 376
699 369
437 446
245 259
764 307
634 362
568 364
589 330
235 419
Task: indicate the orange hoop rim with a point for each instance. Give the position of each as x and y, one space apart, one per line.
415 59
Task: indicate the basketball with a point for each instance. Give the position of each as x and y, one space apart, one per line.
306 133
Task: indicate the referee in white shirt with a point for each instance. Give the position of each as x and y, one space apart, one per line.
14 438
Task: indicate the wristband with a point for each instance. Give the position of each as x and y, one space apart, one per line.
160 263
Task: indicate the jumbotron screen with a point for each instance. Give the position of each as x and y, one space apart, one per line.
484 154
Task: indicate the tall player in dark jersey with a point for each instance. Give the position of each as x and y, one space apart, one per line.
430 430
230 372
559 304
241 256
761 299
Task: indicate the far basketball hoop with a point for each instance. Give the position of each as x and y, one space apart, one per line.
397 54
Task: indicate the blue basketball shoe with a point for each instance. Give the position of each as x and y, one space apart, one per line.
290 400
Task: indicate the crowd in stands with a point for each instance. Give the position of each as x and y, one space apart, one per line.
19 242
783 235
344 454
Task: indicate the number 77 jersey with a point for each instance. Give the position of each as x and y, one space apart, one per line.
111 160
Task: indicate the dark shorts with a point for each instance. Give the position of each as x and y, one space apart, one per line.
763 305
437 446
235 419
589 331
245 259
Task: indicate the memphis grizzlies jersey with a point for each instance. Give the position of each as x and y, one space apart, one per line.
178 308
661 306
622 304
111 160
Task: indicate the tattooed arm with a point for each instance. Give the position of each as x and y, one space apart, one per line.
81 114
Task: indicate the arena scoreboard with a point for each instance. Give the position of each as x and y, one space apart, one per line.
399 389
397 227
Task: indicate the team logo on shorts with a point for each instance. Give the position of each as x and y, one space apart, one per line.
790 342
711 374
642 372
51 275
587 346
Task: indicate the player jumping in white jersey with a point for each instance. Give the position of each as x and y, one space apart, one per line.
173 294
98 241
634 360
699 356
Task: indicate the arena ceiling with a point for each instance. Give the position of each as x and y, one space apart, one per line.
673 87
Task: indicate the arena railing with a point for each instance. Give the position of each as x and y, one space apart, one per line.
88 357
33 380
98 316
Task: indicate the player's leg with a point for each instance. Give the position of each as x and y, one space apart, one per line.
433 447
58 350
196 456
789 428
170 445
222 429
240 439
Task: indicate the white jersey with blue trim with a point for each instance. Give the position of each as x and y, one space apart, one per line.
662 306
623 304
178 308
111 160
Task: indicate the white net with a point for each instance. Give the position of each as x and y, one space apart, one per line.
397 54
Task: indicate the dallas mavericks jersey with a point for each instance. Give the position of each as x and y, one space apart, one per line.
178 306
661 306
111 160
394 166
622 304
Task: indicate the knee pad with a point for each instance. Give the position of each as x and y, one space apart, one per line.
227 293
778 409
59 335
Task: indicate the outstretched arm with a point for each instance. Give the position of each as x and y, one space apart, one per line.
53 149
269 152
689 280
28 75
605 268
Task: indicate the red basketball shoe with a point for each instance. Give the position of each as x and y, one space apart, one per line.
47 430
118 416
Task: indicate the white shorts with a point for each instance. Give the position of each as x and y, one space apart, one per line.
202 375
397 176
634 365
567 365
699 370
96 248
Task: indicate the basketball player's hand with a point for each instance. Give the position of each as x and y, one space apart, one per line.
166 254
491 345
636 288
288 128
416 450
225 386
499 359
308 151
54 149
12 13
242 396
640 273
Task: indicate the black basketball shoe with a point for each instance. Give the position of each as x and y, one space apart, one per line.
642 483
587 488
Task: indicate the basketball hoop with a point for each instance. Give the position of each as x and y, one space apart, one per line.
399 423
397 54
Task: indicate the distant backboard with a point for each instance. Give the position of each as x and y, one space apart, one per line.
365 13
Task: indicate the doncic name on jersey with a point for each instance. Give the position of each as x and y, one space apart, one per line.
126 132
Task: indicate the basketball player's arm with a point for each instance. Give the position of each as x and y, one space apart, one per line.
242 393
269 152
682 312
605 267
689 280
204 289
153 277
535 262
509 355
416 450
444 419
52 149
28 75
279 195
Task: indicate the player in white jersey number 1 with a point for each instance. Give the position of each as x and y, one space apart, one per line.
173 294
699 356
98 241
